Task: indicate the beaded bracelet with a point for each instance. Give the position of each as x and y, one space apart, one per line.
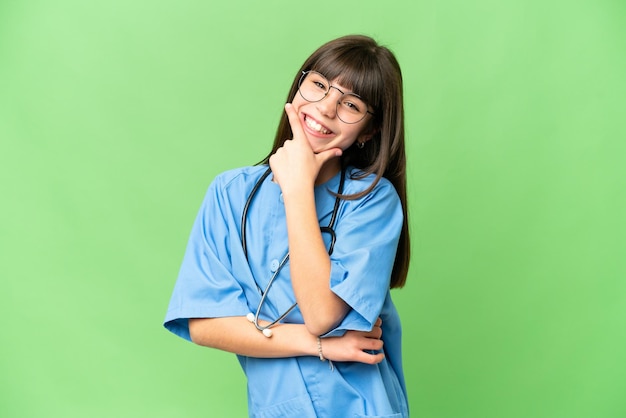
319 349
322 358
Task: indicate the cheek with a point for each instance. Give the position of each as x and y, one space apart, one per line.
298 101
353 133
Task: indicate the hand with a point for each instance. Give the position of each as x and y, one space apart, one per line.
295 165
351 346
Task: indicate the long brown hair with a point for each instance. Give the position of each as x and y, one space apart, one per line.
360 64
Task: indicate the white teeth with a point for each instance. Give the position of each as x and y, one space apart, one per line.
316 126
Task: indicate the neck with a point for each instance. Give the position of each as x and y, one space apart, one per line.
328 171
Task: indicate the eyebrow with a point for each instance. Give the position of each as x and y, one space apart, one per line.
342 89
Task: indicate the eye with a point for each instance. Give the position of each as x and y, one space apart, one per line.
318 81
353 104
320 85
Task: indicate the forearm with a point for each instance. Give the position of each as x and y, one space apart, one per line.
310 265
237 335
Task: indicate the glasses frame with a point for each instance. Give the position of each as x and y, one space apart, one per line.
330 86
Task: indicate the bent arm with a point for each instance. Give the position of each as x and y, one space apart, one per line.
296 169
237 335
310 265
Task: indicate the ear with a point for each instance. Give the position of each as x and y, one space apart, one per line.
367 134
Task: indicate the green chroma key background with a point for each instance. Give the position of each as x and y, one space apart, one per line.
115 116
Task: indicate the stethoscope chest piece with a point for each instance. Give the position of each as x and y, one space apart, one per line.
266 331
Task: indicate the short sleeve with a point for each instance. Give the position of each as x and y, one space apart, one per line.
206 286
363 259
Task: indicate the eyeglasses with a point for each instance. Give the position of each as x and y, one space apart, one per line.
314 87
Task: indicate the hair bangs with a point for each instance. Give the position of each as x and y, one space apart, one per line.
354 69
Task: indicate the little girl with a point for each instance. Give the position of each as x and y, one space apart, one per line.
290 262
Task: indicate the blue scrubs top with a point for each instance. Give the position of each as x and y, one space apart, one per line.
215 280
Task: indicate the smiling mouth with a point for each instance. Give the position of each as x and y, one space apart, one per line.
315 126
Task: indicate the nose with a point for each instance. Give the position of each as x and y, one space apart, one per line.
328 105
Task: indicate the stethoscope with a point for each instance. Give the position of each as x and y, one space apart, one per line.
254 317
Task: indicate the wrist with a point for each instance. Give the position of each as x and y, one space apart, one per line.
306 342
298 191
320 352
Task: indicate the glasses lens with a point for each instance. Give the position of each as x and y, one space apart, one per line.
351 108
314 87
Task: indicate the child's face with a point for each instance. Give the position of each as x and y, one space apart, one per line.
322 127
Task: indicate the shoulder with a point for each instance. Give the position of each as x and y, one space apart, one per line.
231 186
239 176
236 181
357 182
366 196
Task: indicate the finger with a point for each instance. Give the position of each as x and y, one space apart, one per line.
372 344
378 322
375 333
368 358
324 156
371 340
294 122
